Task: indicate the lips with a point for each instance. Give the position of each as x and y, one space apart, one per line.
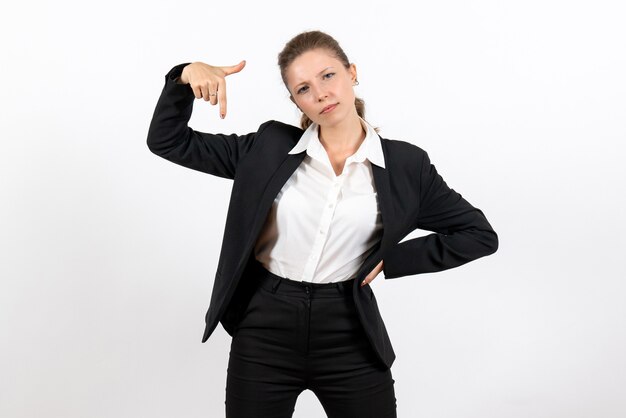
329 107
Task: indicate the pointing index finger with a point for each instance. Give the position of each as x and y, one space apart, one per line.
221 97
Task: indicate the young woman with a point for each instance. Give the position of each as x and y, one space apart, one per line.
316 213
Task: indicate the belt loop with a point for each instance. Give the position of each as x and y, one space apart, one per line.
339 286
275 284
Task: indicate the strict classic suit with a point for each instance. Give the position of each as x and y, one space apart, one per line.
411 194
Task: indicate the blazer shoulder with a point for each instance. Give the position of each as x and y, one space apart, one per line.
403 151
274 136
282 127
278 134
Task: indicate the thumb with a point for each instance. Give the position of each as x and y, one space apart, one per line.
231 69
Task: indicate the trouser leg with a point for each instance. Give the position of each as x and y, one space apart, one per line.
347 377
265 373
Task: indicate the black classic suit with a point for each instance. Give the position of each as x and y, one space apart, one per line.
411 194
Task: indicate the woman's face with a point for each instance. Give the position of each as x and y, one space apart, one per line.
316 80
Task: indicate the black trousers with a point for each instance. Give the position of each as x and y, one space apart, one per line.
292 336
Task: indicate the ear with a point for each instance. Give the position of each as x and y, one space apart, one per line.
352 71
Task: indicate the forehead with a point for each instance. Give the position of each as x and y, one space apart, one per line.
308 65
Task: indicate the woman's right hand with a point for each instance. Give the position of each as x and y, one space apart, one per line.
206 80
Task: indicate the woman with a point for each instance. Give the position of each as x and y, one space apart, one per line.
316 213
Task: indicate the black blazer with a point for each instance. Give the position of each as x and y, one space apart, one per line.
411 194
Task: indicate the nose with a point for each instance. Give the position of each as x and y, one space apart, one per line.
321 94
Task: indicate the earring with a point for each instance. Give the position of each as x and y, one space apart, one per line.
356 83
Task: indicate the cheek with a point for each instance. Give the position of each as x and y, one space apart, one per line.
306 104
349 90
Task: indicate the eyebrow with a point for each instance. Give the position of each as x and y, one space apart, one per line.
296 86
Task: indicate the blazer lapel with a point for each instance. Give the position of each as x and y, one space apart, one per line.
383 191
274 185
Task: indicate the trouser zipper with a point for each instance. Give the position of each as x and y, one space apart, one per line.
308 317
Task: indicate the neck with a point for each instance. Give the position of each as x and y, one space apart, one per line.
343 138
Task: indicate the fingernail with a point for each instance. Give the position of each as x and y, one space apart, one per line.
222 115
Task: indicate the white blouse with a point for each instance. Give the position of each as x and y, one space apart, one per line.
322 226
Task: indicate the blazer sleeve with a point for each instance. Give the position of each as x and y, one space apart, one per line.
461 231
170 137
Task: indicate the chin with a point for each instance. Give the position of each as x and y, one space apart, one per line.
334 119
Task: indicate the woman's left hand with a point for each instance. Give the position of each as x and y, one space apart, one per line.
373 273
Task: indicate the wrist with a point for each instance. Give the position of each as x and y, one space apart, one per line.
182 79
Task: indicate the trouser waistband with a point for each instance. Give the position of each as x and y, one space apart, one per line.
278 284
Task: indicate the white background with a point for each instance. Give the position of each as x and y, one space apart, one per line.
107 252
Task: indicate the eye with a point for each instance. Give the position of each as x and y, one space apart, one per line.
329 74
300 90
